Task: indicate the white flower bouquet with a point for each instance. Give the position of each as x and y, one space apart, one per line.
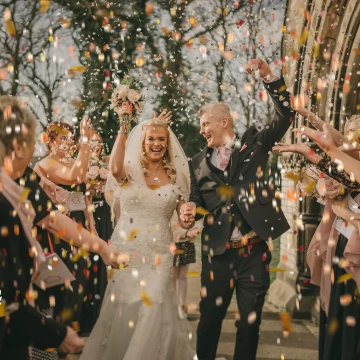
128 91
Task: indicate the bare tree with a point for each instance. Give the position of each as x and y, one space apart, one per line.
32 45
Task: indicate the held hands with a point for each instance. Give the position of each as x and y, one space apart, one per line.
192 234
72 343
260 66
187 214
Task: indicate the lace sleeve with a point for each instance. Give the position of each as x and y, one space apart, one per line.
331 169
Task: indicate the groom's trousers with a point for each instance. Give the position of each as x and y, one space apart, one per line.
247 271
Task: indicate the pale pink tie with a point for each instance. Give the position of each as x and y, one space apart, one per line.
224 159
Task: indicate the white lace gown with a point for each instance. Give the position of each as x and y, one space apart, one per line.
138 319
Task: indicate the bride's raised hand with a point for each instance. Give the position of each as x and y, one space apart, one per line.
126 108
165 116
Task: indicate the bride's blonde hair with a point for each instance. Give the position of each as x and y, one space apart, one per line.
168 166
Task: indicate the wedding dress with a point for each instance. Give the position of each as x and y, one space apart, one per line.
138 319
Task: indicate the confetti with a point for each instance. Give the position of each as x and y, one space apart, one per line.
285 322
44 5
145 298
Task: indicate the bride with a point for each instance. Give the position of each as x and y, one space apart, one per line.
138 319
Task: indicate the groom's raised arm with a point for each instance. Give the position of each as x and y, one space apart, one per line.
275 130
195 193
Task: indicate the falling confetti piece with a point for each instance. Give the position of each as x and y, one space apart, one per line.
252 317
285 321
333 326
192 274
292 176
44 5
24 195
202 211
291 195
345 300
277 270
10 27
133 234
78 68
344 278
225 191
65 23
145 298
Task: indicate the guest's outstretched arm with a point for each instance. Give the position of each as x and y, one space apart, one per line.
318 123
325 141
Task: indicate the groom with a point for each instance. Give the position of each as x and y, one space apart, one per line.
228 185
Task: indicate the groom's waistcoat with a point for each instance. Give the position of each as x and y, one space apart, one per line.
240 195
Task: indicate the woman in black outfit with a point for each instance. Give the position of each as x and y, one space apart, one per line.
20 324
47 219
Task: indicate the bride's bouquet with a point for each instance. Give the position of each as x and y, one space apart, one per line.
128 91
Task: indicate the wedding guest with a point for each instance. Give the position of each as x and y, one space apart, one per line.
47 218
20 255
60 168
96 179
339 335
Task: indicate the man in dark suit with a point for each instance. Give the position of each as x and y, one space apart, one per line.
228 186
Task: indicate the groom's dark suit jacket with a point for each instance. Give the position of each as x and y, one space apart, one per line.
240 195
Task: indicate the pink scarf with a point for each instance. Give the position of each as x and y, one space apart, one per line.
57 194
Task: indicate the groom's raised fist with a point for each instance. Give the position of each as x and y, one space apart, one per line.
259 67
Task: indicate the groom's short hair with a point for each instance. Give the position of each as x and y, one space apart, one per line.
217 110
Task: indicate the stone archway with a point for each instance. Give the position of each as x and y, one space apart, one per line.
321 54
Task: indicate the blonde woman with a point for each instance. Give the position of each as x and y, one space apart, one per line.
138 319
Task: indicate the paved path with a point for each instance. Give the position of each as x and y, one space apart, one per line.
300 345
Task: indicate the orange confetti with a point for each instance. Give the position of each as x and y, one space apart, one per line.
78 68
145 298
286 322
44 5
149 8
44 138
140 61
65 23
192 274
10 27
192 21
292 176
165 31
3 74
225 191
344 278
291 195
